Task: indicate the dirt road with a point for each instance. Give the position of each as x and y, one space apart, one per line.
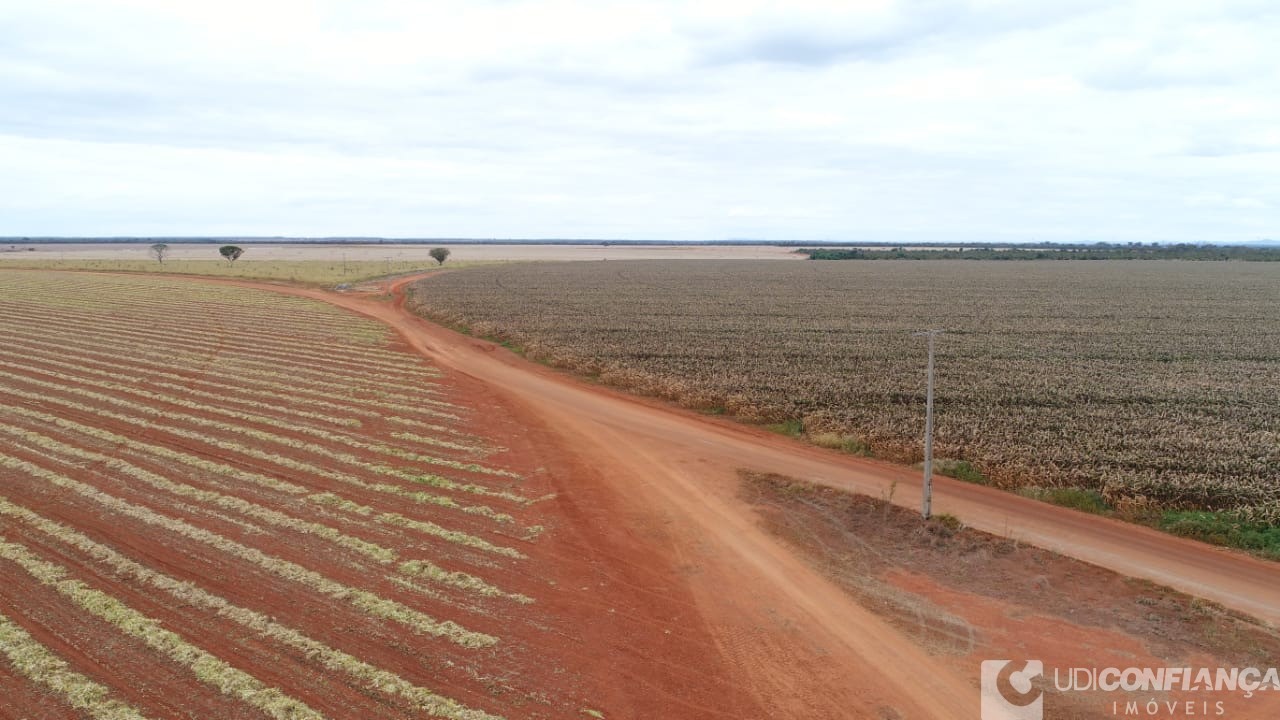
808 650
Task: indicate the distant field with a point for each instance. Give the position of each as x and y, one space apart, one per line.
390 252
310 272
1144 387
317 264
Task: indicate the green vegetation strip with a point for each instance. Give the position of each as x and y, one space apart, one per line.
373 678
38 664
206 667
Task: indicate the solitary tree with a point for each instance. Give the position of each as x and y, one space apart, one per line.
440 254
159 251
230 252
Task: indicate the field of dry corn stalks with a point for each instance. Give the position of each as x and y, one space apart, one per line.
1155 384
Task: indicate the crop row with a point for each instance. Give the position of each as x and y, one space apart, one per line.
236 312
204 666
38 664
239 353
406 399
185 593
236 484
253 511
320 349
325 499
1154 384
288 388
233 336
363 600
266 437
17 351
74 383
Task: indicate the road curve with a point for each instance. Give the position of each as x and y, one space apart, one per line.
683 465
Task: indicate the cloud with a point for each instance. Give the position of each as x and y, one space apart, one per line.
873 32
939 119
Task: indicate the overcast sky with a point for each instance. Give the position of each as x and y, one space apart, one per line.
912 120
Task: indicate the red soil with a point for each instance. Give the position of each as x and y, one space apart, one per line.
659 595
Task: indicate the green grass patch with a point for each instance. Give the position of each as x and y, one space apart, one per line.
1223 528
790 428
960 470
946 524
1090 501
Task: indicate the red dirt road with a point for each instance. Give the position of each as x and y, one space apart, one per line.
804 646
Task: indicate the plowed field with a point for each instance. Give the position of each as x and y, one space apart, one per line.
221 502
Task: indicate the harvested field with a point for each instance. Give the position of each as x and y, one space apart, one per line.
1154 385
228 503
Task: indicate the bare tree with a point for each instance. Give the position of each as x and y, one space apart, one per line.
159 251
440 254
230 252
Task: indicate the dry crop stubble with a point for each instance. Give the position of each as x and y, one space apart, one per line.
275 439
1153 384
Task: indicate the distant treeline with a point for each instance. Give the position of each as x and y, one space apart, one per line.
1097 251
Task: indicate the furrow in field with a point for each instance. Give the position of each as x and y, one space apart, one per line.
300 330
67 380
410 398
140 362
400 377
311 325
248 509
284 461
294 443
431 662
326 497
363 600
58 451
226 393
39 665
205 667
321 382
365 674
153 378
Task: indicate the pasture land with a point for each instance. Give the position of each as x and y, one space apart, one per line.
1149 389
221 502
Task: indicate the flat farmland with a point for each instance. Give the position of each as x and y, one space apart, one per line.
222 502
1150 389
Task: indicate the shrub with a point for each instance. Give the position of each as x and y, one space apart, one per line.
1223 528
1090 501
